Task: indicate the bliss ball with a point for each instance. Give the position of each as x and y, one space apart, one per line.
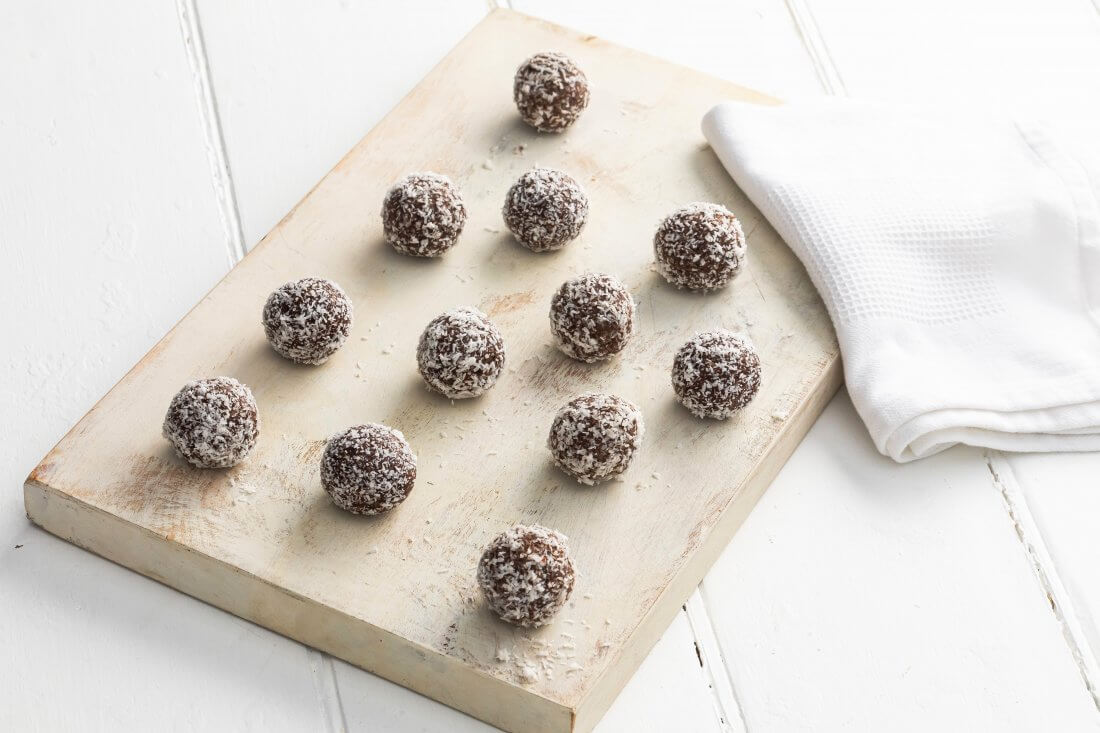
461 353
368 469
700 246
213 423
550 91
423 215
716 373
526 574
308 320
595 436
545 209
592 317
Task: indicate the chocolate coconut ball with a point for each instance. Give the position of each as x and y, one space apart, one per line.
461 353
700 246
308 320
545 209
213 423
716 373
368 469
423 215
595 436
592 317
550 91
526 574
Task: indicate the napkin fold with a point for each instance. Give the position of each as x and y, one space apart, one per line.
959 259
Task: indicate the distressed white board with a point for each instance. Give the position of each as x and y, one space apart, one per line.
264 542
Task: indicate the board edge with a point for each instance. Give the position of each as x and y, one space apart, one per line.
511 707
662 611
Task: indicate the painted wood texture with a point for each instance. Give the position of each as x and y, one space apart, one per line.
396 594
296 84
110 232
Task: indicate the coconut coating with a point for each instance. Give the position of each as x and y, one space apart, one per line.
592 317
716 373
307 320
368 469
526 574
550 91
213 423
461 353
423 215
700 246
595 437
545 209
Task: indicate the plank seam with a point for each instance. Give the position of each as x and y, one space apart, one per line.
1004 481
217 155
727 707
321 664
812 40
1045 571
323 671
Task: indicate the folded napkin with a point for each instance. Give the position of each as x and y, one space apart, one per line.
959 259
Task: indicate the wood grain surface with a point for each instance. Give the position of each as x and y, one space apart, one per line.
396 594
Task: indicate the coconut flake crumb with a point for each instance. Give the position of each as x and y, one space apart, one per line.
528 672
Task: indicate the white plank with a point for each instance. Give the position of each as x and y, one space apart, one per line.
1060 494
298 83
91 646
750 42
669 692
110 232
370 703
107 219
1036 57
867 595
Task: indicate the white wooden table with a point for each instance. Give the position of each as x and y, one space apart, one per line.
144 146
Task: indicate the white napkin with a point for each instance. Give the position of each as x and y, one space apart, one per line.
959 258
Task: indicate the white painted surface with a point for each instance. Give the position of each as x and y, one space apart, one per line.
298 84
865 595
108 205
751 42
107 224
1061 495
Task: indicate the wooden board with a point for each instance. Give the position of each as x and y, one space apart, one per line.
396 594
